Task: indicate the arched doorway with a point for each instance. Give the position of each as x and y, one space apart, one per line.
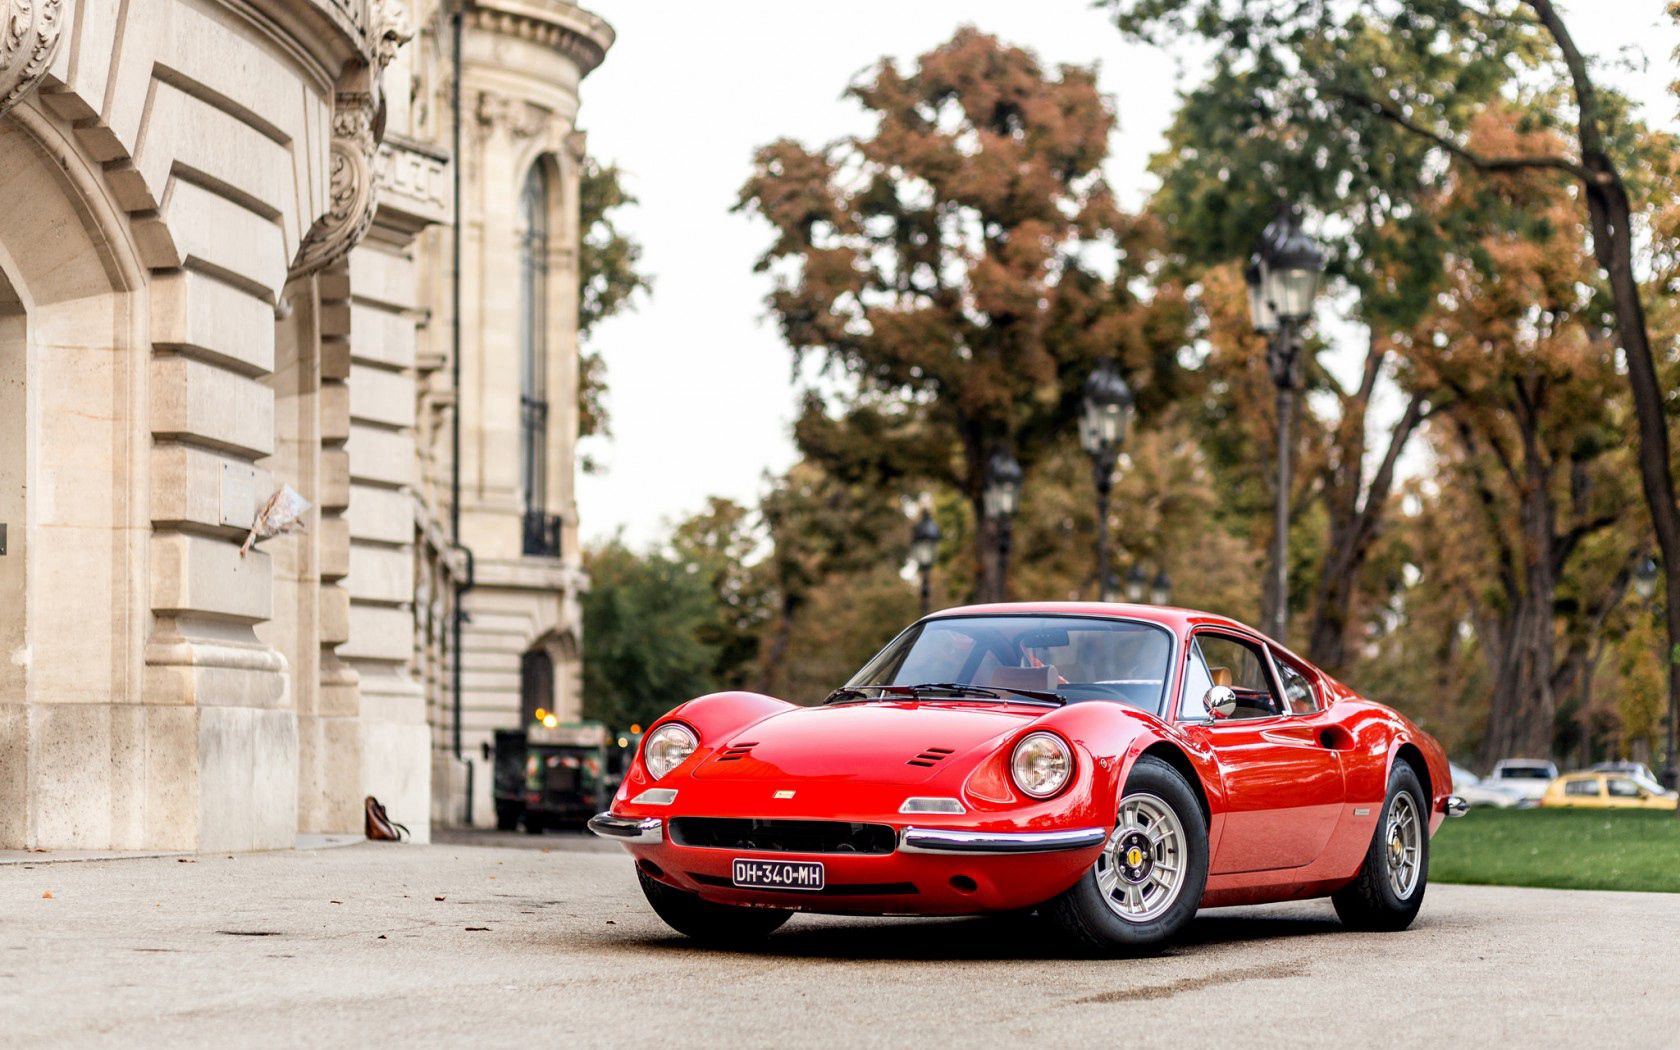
536 685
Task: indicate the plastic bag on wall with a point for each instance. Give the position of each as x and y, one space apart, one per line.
282 513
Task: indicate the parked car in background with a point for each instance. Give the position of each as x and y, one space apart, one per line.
1604 791
1476 791
1638 772
1528 777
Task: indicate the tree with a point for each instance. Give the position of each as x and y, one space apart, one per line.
644 616
1423 67
723 542
965 265
609 280
1532 423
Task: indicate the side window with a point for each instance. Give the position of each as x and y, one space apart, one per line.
1623 789
1587 787
1296 689
1242 666
1197 682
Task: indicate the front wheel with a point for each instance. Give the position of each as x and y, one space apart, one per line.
1145 886
1388 891
717 924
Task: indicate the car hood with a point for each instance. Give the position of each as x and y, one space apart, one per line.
878 742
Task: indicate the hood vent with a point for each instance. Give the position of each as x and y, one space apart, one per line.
931 756
736 752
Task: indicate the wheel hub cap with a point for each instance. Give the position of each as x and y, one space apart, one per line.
1404 836
1141 869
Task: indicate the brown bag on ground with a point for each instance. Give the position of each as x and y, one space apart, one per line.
379 827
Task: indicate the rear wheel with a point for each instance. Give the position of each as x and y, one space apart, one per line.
507 816
1145 886
1389 889
719 924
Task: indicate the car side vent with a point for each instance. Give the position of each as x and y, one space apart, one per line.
736 752
930 757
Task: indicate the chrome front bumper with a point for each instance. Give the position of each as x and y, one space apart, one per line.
633 831
936 840
1456 806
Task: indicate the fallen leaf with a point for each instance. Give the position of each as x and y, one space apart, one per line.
382 936
438 898
612 922
335 902
185 860
478 929
46 895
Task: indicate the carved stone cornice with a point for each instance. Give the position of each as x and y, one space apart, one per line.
413 184
29 38
518 118
358 126
558 24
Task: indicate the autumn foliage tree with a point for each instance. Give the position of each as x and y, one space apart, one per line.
965 265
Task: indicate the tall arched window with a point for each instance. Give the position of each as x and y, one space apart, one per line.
542 533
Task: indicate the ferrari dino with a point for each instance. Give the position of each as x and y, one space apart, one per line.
1114 767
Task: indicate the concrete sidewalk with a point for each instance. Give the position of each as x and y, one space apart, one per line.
456 944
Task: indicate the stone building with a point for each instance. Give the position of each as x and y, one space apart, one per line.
229 263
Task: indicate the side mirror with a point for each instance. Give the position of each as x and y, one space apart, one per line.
1221 701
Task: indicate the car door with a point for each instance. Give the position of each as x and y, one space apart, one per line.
1283 785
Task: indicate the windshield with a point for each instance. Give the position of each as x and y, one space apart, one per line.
1525 773
1077 658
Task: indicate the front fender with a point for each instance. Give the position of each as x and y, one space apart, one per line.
715 717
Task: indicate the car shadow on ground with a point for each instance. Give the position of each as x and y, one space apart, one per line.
980 939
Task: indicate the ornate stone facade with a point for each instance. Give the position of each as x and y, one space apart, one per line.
225 266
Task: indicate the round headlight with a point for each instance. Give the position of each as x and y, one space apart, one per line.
1041 764
667 748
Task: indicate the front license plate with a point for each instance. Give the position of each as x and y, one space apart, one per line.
778 874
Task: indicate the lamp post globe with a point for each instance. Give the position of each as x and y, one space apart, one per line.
1137 584
1160 589
1645 578
1105 412
1292 265
1003 486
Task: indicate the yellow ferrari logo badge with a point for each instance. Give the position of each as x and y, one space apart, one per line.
1134 857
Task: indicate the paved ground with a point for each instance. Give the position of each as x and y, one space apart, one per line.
550 943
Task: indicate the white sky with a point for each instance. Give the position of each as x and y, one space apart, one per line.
702 391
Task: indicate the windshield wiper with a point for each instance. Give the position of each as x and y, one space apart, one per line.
856 692
994 692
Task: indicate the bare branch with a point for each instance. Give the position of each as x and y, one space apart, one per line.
1391 111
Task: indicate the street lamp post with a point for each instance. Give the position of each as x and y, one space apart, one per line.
1645 585
924 551
1002 497
1104 418
1282 276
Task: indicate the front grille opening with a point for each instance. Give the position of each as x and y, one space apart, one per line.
736 752
963 884
835 889
783 836
931 756
651 869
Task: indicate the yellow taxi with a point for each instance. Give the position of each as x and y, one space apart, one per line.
1605 791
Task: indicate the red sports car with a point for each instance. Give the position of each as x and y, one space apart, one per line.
1115 767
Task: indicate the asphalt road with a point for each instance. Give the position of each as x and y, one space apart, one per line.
551 944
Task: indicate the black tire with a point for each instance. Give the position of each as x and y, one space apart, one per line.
722 925
507 818
1084 912
534 823
1370 901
